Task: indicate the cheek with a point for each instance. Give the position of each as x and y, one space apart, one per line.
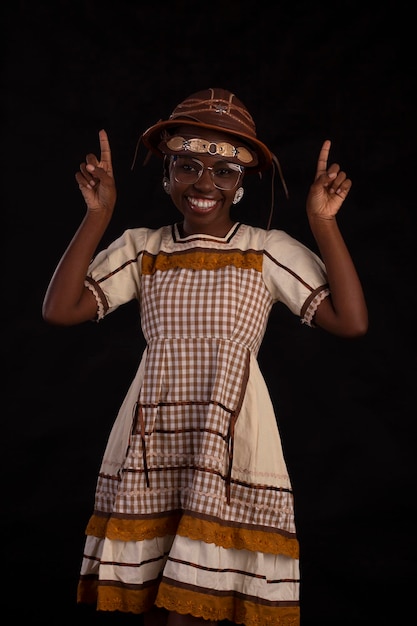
177 193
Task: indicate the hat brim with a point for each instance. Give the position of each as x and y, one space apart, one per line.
153 137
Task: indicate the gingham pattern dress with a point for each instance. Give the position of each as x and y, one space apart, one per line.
194 506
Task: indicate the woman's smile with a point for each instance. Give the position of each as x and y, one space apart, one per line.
201 205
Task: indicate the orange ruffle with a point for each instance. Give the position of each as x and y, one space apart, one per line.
235 609
183 601
201 259
195 528
237 537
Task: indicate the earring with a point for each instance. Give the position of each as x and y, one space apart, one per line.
166 185
238 195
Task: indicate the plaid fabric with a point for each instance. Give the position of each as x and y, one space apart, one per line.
201 434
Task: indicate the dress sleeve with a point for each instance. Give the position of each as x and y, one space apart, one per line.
114 275
294 275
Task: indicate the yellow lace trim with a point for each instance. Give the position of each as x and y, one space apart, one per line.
232 608
138 530
210 607
240 538
114 598
201 259
127 600
96 526
132 530
87 591
194 528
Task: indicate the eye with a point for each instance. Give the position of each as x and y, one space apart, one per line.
187 166
224 172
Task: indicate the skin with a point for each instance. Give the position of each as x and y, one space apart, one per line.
68 301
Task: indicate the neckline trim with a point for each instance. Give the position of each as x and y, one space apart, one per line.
229 235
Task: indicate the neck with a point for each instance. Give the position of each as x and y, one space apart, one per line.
215 230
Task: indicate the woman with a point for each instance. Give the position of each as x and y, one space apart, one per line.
193 520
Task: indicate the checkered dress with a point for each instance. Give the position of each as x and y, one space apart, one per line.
194 507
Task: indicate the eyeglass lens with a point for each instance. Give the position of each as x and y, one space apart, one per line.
224 175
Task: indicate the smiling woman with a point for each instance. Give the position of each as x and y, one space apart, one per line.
193 520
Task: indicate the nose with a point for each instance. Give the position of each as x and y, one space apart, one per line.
205 181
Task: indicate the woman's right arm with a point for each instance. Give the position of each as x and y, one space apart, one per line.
67 301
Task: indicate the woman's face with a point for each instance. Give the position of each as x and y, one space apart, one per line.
194 187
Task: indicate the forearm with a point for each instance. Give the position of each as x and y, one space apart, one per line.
67 300
347 315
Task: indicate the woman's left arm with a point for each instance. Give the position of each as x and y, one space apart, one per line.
344 312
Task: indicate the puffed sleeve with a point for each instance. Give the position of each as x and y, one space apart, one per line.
114 275
294 274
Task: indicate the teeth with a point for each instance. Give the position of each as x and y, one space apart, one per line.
202 204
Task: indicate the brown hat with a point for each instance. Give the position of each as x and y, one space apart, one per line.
216 109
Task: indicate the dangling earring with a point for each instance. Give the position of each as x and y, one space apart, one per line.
238 195
166 185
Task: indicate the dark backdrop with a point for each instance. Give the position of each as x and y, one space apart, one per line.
346 409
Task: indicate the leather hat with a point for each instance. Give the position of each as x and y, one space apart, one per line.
216 109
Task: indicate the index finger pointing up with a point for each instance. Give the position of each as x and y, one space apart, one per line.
323 157
105 152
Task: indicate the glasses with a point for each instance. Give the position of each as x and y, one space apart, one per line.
224 175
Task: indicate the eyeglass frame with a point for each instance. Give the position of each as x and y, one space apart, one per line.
238 167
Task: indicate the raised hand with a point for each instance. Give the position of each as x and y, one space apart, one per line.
95 178
329 189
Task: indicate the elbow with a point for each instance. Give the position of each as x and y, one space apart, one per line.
350 324
355 328
356 332
53 316
363 330
47 314
63 314
362 324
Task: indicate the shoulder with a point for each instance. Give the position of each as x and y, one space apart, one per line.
263 238
143 237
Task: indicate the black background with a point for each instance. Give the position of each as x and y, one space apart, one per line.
346 409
